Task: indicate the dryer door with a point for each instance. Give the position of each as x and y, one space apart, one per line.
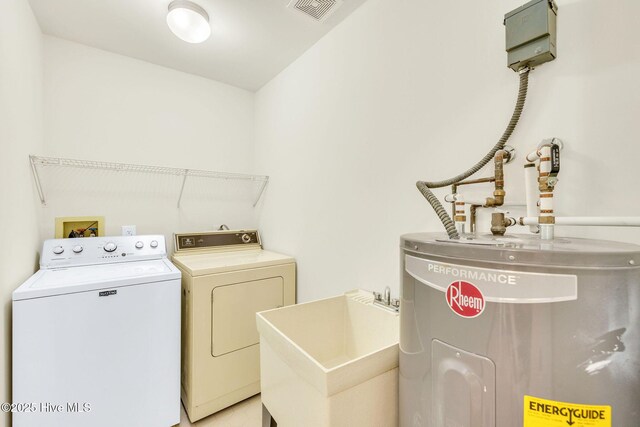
234 308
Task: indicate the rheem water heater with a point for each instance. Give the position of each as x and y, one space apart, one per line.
519 331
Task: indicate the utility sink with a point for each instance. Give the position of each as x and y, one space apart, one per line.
331 362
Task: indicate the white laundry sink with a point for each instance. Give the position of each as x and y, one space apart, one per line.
332 362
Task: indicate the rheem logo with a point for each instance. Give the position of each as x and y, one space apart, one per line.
465 299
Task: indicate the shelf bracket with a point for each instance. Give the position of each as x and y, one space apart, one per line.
36 177
262 188
184 181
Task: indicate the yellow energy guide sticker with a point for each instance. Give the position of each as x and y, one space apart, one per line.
550 413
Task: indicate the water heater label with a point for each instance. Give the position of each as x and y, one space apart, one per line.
549 413
465 299
494 285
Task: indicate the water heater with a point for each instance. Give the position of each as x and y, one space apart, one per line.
518 331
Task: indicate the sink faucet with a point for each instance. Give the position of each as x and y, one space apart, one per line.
385 300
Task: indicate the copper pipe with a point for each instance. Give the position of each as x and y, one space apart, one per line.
454 190
498 193
472 217
476 181
499 223
500 158
498 227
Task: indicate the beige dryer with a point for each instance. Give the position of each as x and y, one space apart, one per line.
226 278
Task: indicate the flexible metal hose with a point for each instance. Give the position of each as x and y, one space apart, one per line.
440 211
425 186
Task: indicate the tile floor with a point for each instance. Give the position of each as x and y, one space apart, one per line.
247 413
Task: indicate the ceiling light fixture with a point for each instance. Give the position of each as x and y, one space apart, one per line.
188 21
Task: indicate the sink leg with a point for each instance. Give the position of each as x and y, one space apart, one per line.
267 419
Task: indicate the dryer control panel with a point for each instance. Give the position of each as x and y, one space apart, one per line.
101 250
225 239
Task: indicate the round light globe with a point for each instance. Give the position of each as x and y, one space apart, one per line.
188 21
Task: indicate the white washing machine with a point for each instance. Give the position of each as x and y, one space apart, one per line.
96 336
226 278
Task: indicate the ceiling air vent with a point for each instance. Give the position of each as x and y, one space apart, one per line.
319 10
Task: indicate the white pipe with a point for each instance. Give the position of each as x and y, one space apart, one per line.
479 202
460 217
531 193
533 156
452 198
536 154
547 231
611 221
546 197
545 153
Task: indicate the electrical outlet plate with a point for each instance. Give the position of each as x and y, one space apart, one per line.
128 230
83 225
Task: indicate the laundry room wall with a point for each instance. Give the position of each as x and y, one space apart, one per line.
412 89
20 134
107 107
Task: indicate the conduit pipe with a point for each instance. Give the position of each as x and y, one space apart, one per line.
425 186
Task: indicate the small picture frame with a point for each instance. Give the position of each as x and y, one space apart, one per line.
79 227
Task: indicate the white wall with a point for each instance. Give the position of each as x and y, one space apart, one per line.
412 89
20 134
107 107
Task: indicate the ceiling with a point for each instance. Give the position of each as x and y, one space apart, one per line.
251 40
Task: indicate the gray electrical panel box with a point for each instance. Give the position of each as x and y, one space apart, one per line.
531 34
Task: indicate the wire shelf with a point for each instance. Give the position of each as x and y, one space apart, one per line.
38 162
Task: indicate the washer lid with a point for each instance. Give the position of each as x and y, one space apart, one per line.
60 281
199 264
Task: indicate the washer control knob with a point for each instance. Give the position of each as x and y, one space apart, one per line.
110 247
154 244
77 249
139 244
246 238
58 250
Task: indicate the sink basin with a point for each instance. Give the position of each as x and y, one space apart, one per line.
331 362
